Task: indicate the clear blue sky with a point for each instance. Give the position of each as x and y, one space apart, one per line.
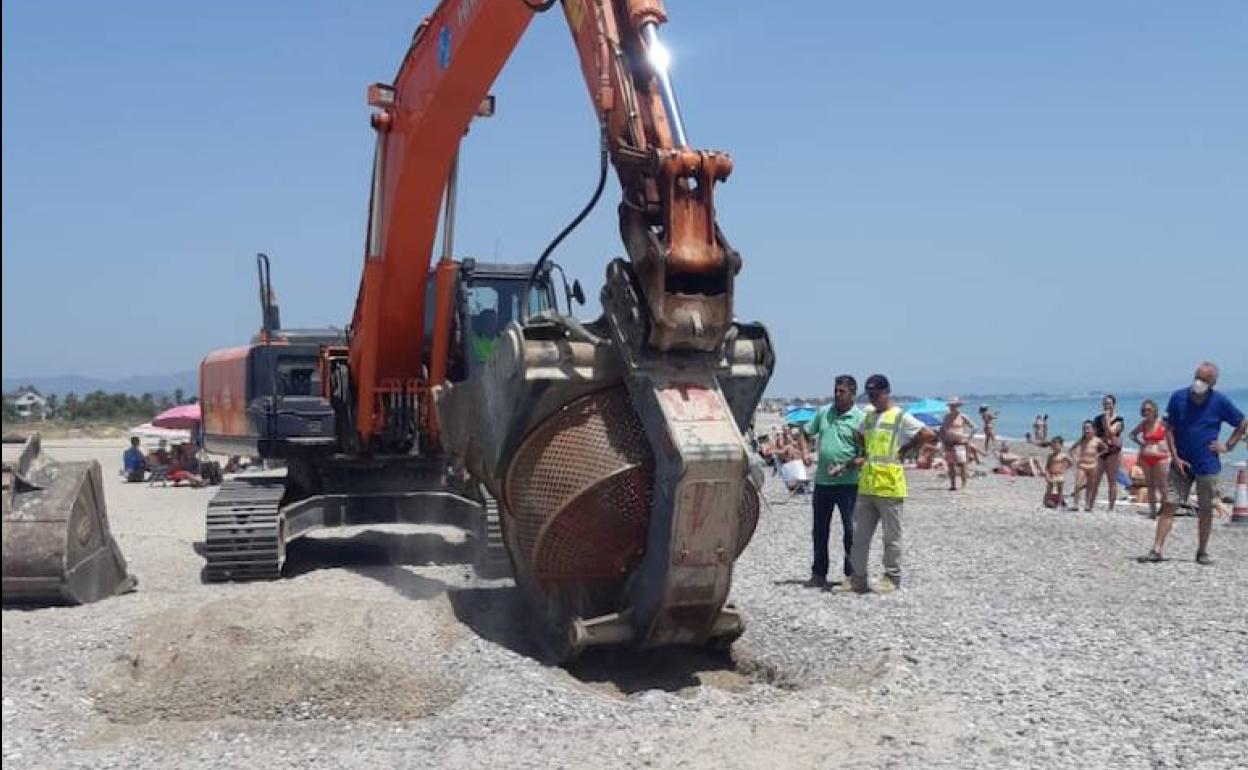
962 195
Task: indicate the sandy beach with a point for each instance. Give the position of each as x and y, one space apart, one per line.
1023 638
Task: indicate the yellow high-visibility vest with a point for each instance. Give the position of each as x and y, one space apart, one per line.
882 475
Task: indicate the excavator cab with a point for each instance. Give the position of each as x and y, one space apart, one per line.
492 296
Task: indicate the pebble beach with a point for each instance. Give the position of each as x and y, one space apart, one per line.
1022 638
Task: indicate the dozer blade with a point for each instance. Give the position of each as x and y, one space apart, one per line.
57 545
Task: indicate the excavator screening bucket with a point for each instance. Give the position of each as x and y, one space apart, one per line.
624 491
57 545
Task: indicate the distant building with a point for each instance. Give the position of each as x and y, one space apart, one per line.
28 403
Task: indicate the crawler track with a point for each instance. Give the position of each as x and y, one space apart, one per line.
493 560
245 539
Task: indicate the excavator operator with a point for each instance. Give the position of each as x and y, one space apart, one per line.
484 335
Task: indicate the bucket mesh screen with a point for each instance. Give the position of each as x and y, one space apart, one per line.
578 493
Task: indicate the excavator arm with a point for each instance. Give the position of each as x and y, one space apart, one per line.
682 268
419 121
667 211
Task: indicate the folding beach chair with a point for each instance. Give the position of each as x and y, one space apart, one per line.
160 475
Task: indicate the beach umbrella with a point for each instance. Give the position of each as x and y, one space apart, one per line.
927 406
928 419
150 437
183 417
800 415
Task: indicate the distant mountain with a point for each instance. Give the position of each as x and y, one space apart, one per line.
136 385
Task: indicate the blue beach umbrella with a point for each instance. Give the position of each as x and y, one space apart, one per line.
927 406
929 411
800 415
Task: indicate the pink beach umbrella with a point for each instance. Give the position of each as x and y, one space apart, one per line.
183 417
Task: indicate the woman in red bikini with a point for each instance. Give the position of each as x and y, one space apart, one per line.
1150 434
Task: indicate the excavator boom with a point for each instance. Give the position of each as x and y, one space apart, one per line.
454 57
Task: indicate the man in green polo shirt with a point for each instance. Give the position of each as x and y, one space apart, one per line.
836 479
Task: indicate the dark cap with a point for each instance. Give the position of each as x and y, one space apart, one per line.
877 382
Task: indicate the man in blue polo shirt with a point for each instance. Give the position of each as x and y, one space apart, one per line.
1194 420
836 480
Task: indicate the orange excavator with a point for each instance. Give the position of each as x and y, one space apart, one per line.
601 463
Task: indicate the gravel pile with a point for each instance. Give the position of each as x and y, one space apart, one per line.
1022 638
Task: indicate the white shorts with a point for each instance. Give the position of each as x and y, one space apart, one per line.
794 471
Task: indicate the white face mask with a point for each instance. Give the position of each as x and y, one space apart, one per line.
1200 387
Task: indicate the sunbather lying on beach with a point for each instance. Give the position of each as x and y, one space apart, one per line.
186 468
1016 465
929 458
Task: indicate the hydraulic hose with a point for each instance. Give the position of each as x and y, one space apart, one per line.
603 162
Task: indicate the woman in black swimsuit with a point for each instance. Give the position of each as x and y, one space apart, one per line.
1108 427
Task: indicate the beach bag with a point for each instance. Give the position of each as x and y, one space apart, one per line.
1053 500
